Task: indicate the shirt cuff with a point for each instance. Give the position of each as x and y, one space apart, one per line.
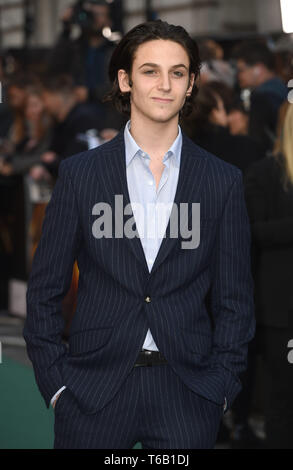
225 406
56 394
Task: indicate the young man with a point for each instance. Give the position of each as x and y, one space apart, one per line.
162 322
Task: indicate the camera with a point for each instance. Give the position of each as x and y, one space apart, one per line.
82 17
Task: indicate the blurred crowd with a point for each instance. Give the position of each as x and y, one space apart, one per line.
243 115
51 110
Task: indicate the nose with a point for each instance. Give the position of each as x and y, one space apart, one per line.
164 82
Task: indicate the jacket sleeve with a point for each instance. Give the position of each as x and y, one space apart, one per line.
232 291
49 281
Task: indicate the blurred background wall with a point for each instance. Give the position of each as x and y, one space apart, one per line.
36 21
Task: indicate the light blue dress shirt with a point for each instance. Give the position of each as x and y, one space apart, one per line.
151 206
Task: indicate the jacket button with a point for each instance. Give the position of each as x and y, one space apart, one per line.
147 299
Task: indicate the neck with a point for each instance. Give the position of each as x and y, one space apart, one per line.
154 138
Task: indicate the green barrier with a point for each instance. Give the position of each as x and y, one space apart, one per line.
25 422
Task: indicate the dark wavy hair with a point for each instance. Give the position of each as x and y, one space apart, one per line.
123 56
254 52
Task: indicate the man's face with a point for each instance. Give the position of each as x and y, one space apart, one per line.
247 74
160 80
16 97
34 107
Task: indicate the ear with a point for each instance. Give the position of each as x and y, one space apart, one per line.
123 80
191 83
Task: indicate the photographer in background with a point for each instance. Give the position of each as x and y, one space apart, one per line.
86 58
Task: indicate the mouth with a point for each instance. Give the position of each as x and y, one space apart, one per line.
162 100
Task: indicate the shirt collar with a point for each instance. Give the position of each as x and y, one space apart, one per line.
132 148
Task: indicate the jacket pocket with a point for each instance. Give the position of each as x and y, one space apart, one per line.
89 340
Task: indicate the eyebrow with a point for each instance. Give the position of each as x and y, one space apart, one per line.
149 64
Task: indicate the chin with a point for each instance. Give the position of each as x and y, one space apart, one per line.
163 117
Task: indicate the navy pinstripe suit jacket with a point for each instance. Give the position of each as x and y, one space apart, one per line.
201 312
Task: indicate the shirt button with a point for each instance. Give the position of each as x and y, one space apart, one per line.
147 299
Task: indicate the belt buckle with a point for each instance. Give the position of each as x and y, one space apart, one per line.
145 359
147 355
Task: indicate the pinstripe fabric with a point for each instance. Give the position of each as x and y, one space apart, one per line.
153 406
187 287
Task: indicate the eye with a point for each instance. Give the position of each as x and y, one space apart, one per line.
149 72
178 74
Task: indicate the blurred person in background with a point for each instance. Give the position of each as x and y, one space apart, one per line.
214 67
35 127
256 72
6 117
72 119
284 59
269 195
86 58
15 97
11 188
238 120
34 133
208 126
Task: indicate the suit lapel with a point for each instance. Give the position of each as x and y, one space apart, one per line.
191 176
112 174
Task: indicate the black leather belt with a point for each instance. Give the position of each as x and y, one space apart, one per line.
150 358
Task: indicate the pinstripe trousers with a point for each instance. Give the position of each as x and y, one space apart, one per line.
153 406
